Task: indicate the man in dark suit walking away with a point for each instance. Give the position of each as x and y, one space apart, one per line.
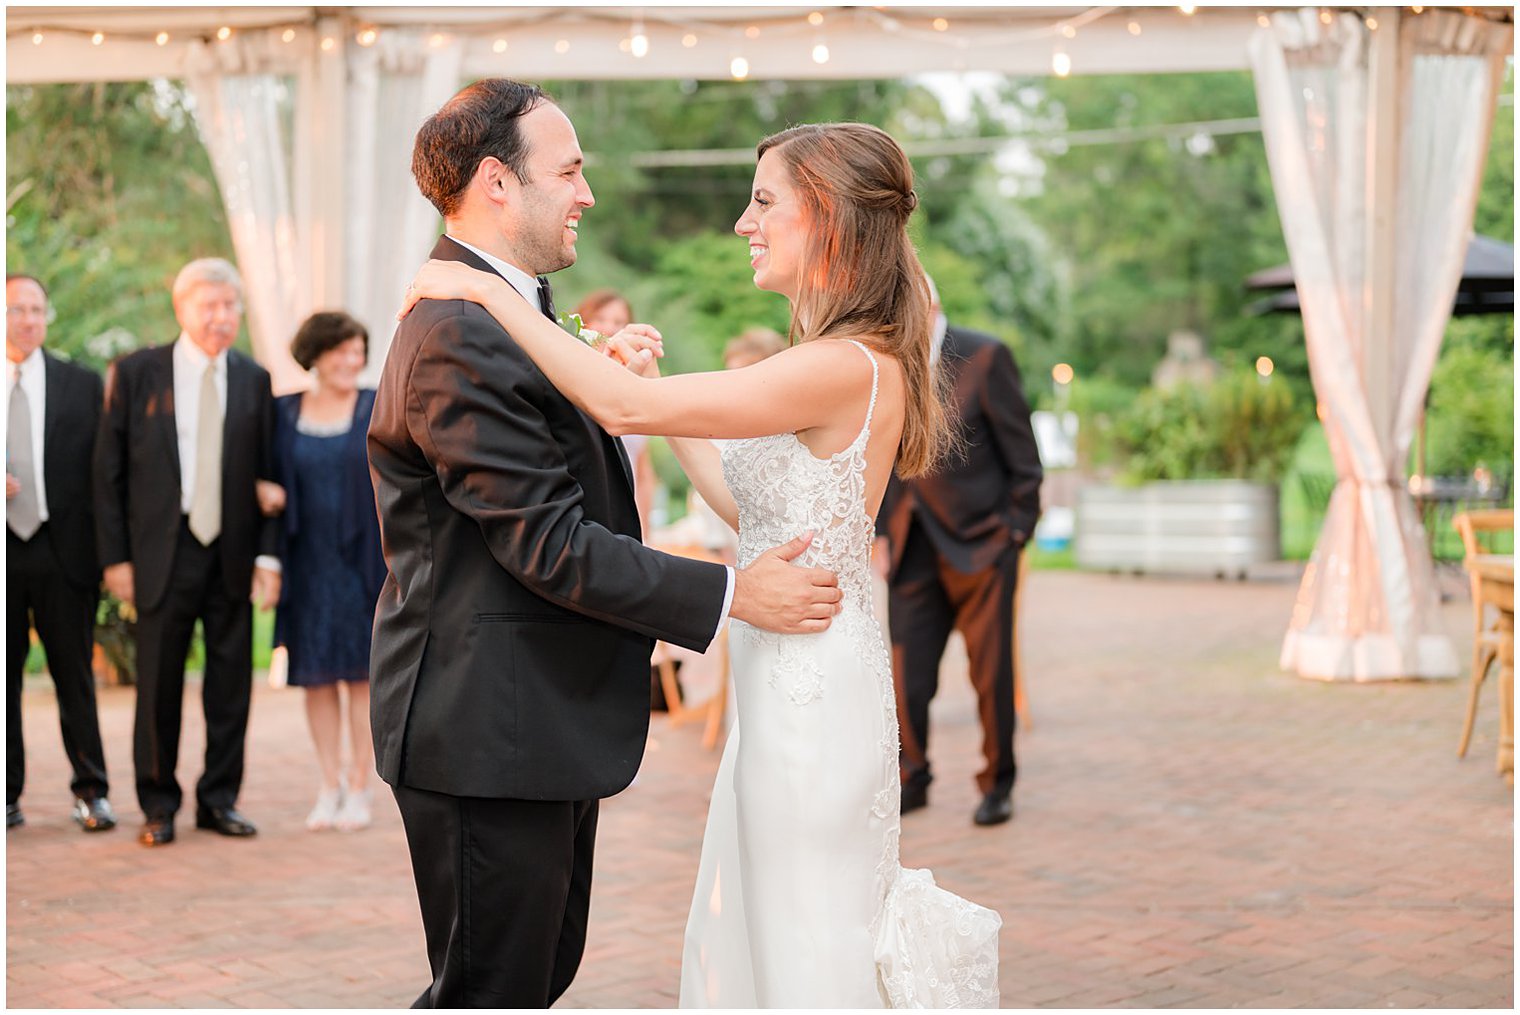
52 576
952 562
185 436
510 670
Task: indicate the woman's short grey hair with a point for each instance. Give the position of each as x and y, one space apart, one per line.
204 271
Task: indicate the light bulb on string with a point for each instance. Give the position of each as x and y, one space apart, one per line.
738 68
97 38
562 46
815 19
161 39
1417 9
499 46
223 34
367 37
288 35
437 40
1325 17
821 53
1134 28
688 40
1263 21
1188 10
1060 64
639 45
1372 24
329 44
752 32
941 24
625 44
1070 31
36 38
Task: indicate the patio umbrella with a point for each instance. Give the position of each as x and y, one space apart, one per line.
1487 286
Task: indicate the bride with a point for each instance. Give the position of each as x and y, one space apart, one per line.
800 899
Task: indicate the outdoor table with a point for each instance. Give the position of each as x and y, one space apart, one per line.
1496 572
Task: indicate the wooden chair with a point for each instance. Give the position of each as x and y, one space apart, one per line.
710 712
1476 528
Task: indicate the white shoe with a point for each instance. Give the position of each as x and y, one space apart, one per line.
329 804
355 813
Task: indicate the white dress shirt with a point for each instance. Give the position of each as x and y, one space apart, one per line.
190 363
527 285
31 373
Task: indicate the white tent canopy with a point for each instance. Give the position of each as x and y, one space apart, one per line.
583 43
1376 124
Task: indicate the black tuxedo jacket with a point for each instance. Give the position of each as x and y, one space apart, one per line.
70 417
977 504
512 638
138 510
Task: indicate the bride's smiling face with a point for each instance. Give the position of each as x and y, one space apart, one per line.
776 226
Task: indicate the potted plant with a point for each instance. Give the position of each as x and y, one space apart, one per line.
1196 491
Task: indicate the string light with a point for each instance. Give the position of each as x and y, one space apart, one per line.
367 37
1062 373
437 40
1060 63
639 44
752 32
625 44
738 68
288 35
1263 21
223 34
562 46
97 38
499 46
816 18
328 44
1188 10
1134 28
1325 18
1070 31
1372 24
36 38
1264 366
688 40
940 24
820 53
162 38
1417 9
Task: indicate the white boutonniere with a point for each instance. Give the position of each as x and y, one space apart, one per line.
574 326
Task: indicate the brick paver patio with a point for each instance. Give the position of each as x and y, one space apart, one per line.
1193 828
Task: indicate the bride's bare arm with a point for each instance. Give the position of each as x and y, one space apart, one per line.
703 466
807 386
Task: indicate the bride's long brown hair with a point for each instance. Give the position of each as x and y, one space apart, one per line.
860 276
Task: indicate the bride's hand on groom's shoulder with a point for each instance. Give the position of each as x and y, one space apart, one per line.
639 347
446 280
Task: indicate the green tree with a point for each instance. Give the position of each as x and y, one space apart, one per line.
109 191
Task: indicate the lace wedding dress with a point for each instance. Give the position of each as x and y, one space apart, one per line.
800 900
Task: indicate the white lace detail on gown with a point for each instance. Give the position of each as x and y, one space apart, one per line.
933 949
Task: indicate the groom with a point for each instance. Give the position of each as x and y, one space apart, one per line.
510 669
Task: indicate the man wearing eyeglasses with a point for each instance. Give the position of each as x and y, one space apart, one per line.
52 575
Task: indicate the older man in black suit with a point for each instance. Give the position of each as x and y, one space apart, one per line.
52 575
185 436
954 539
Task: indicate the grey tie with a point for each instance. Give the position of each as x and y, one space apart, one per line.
22 512
206 498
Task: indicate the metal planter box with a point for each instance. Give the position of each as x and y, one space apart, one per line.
1208 526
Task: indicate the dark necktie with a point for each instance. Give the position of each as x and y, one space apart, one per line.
546 298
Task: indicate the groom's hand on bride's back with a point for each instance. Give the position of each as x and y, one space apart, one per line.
777 595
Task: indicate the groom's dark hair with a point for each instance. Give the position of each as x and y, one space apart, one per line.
480 122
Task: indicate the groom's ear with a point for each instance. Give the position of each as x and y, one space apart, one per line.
497 182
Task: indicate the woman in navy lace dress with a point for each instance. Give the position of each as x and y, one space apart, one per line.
333 566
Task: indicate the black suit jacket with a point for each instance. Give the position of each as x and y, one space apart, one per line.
137 477
975 505
512 637
70 417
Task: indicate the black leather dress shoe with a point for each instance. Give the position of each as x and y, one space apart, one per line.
13 816
995 809
94 815
224 821
157 832
914 797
